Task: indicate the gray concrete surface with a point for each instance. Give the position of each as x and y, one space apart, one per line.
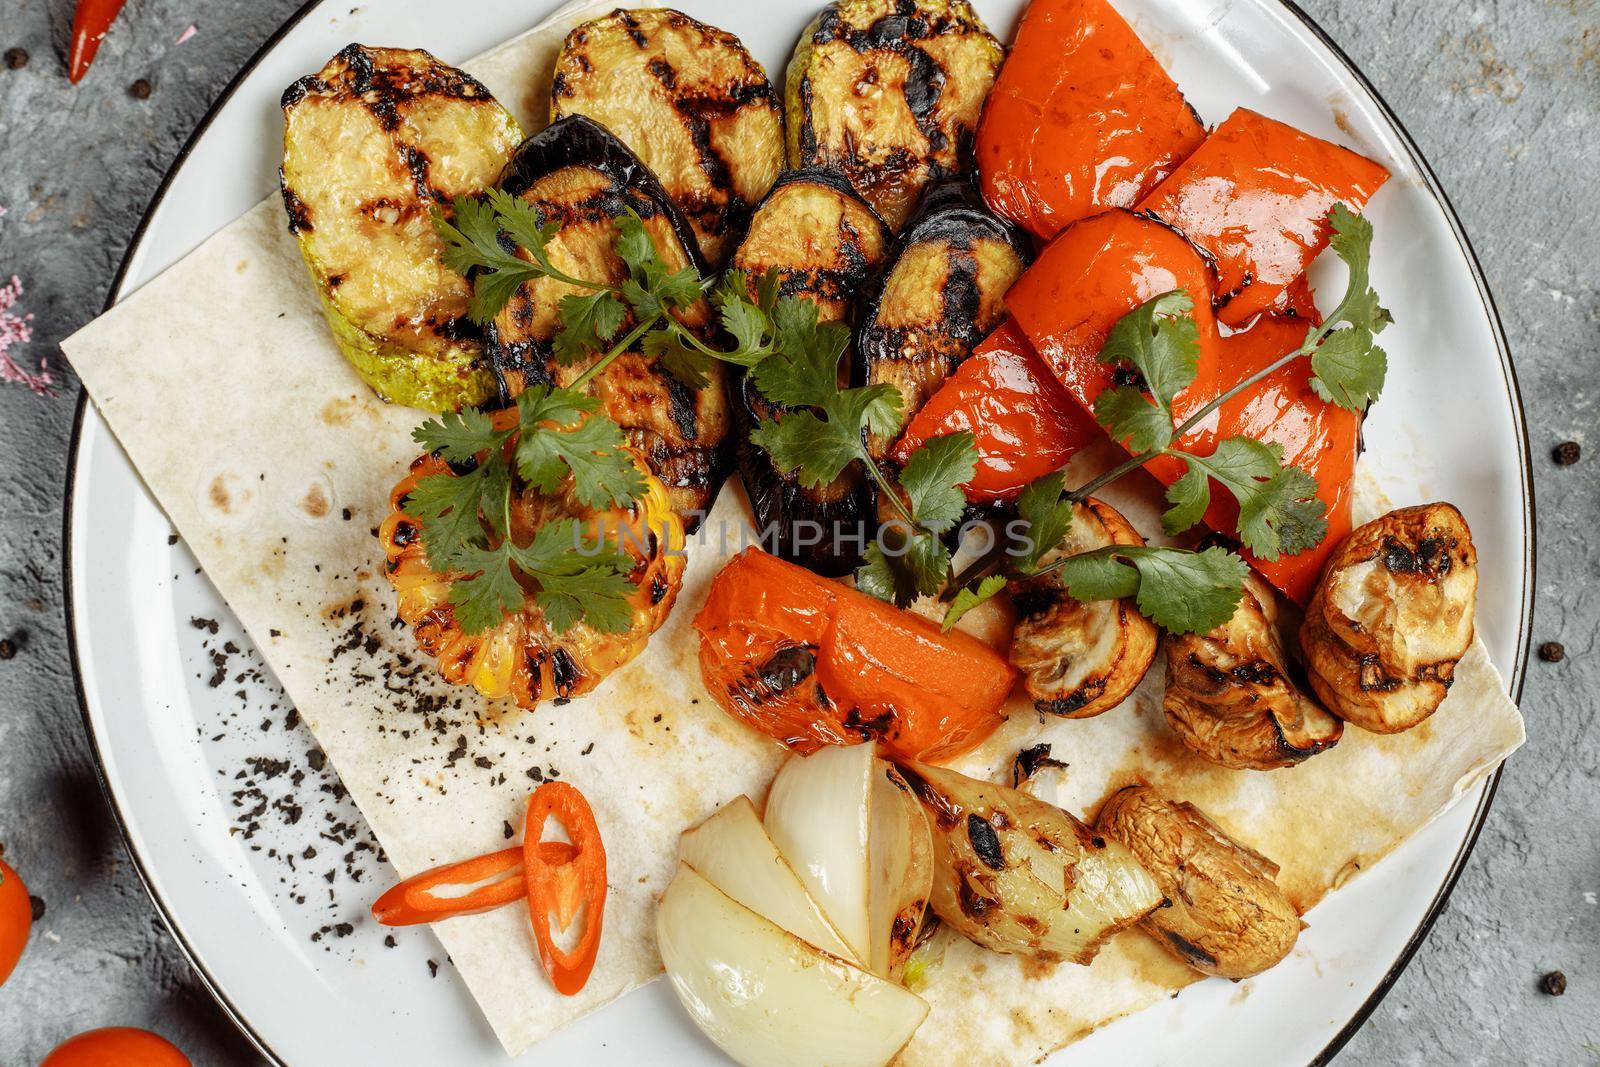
1504 98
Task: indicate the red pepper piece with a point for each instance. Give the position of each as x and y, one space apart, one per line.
1021 419
90 21
563 887
1256 196
418 900
1081 118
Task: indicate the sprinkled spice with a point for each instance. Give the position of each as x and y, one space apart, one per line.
1566 453
140 90
16 58
433 969
1552 652
1554 983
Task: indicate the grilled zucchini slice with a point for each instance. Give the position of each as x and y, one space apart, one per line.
577 175
937 296
371 144
889 93
690 100
824 241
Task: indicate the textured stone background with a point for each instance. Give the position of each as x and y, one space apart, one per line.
1504 98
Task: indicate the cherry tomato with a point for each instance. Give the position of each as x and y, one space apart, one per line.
16 918
116 1046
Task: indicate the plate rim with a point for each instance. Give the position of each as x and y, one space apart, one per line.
1435 189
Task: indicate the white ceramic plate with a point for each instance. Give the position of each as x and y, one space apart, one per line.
1450 426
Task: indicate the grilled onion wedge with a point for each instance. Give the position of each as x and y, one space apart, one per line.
823 241
888 92
1391 617
580 177
1017 875
938 294
1231 699
690 100
1080 659
372 143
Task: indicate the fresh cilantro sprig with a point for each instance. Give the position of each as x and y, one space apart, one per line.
466 517
1279 511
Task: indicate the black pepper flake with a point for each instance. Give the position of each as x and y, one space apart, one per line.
140 90
172 539
587 749
37 904
1552 652
1554 983
433 969
208 625
389 941
343 930
1566 453
16 58
508 831
317 759
483 761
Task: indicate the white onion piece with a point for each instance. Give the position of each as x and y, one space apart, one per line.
819 816
732 852
900 863
769 999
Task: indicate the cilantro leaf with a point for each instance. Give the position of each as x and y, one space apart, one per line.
804 370
1049 518
579 580
588 321
1133 418
449 509
1160 340
592 451
800 442
458 436
681 359
1189 496
873 408
969 597
489 592
1279 510
902 566
1349 369
932 480
1098 575
1180 590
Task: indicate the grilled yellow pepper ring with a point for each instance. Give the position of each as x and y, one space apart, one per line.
523 657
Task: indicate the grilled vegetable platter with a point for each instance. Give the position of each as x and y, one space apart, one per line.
1014 374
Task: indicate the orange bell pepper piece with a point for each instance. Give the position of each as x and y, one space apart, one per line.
1256 196
1023 423
810 662
1081 118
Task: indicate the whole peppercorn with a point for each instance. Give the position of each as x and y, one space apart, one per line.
139 90
16 58
1552 652
1554 983
1566 453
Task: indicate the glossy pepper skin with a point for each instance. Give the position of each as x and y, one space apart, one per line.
1082 118
1023 423
1102 268
1256 196
90 21
810 662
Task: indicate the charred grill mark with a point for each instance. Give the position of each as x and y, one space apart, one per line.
1074 701
631 26
1030 761
944 812
971 901
985 842
405 533
786 669
658 589
294 207
565 673
418 164
663 72
534 659
924 85
1189 950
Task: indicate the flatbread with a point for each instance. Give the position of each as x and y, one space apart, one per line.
274 462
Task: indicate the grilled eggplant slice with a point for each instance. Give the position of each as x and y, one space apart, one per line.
889 92
582 178
823 241
1229 695
938 295
372 143
690 101
1080 659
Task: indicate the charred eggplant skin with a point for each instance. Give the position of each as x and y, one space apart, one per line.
682 432
690 100
373 143
915 348
822 529
889 92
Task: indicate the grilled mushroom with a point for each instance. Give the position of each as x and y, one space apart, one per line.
1229 696
1391 616
1080 659
1224 915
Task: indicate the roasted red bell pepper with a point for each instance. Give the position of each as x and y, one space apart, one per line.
486 882
1081 118
1022 420
810 662
90 21
563 887
1102 268
1256 196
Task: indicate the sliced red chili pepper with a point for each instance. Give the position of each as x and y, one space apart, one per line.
90 21
418 900
563 886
